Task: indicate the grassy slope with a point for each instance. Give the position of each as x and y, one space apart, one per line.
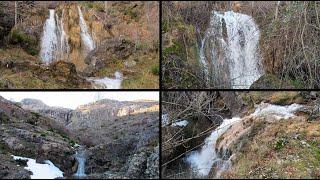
284 149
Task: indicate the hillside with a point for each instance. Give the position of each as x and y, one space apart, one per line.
90 44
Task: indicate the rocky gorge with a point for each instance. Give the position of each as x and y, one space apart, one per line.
115 139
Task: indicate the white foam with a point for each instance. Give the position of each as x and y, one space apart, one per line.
109 83
276 111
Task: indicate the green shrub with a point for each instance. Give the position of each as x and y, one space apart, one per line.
280 143
176 48
155 70
28 43
99 7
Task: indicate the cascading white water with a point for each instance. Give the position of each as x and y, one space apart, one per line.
85 36
64 47
54 41
203 160
80 156
108 83
49 40
239 43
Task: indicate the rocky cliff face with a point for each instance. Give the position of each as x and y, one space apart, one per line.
59 114
106 111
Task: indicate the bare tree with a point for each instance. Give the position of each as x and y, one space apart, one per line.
15 13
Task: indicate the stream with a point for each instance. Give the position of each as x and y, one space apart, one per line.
81 158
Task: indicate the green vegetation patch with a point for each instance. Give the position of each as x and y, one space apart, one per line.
27 42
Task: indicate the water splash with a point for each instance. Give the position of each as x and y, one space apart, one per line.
108 83
85 36
233 56
49 40
203 160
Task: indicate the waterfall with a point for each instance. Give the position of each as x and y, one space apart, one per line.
63 42
54 41
202 161
229 50
80 156
85 36
49 40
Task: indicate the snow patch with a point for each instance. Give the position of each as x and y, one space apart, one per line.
180 123
164 119
41 171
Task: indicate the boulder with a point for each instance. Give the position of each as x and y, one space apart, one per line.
9 169
109 51
60 153
110 157
136 165
65 72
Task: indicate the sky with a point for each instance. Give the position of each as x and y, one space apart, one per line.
74 99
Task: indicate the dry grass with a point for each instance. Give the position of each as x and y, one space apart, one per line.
265 157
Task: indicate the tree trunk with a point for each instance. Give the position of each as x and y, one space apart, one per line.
15 13
277 11
106 7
